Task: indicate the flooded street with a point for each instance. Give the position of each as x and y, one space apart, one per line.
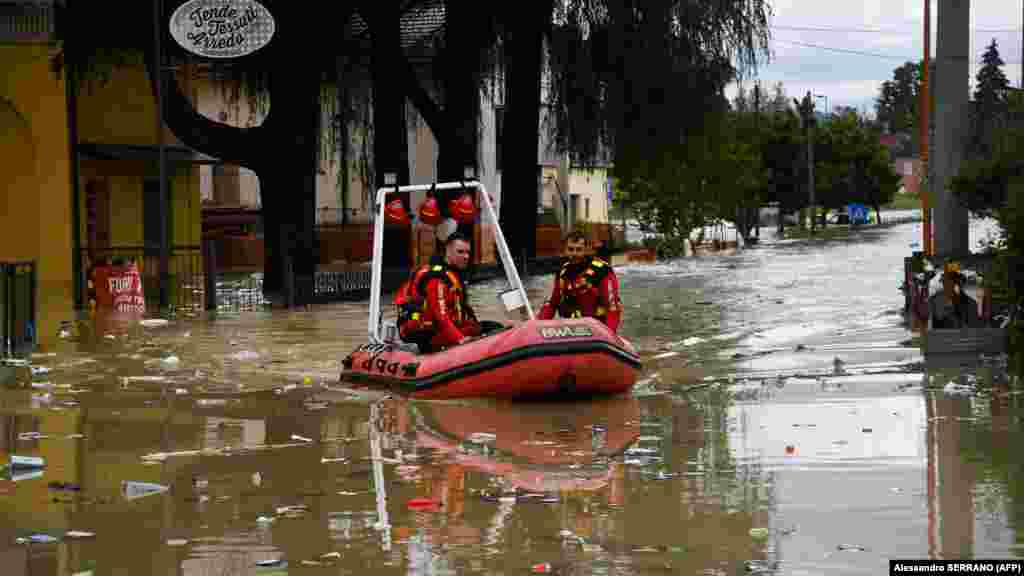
786 423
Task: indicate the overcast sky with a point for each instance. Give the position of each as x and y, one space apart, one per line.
888 31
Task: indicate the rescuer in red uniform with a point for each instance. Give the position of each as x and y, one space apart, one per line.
434 311
585 286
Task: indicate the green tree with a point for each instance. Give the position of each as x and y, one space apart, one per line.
991 86
851 165
735 171
779 101
782 146
990 98
643 83
897 105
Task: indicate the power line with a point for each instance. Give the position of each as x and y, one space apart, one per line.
908 30
829 29
845 50
862 52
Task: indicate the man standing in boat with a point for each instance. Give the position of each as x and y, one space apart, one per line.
434 311
585 286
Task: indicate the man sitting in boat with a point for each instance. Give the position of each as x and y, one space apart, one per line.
585 286
434 311
952 308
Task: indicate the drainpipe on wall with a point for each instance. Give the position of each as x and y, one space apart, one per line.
159 71
564 167
71 96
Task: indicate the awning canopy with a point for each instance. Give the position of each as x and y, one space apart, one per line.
178 154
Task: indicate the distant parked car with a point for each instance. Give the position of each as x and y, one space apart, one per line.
838 218
637 232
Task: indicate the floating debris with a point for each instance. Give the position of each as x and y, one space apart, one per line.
26 462
292 510
851 548
177 542
954 389
153 322
759 533
79 534
25 436
37 539
333 460
131 490
301 438
422 504
154 379
481 438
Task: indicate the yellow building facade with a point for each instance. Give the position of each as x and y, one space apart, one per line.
35 189
118 176
119 179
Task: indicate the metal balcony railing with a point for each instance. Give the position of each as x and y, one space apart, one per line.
27 22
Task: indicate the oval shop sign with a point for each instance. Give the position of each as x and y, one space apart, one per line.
222 28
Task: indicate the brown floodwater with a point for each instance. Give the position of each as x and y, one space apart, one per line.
785 424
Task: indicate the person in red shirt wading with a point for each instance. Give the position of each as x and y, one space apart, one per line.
433 308
585 286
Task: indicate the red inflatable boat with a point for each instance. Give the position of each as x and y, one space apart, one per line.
537 358
534 359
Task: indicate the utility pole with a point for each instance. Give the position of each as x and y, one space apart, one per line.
926 220
757 135
810 160
806 109
162 157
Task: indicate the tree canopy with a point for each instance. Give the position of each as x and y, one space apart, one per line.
636 78
899 99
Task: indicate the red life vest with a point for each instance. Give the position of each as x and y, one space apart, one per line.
580 288
413 312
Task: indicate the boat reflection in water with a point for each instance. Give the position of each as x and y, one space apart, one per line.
535 448
478 465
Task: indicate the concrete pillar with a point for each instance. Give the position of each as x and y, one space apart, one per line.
951 89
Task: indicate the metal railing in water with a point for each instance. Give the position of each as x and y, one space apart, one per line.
18 281
186 279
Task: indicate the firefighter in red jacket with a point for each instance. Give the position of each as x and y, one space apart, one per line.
434 311
585 286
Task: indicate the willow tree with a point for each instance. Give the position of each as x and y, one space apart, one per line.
351 67
641 83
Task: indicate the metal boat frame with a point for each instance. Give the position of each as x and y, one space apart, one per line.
376 320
